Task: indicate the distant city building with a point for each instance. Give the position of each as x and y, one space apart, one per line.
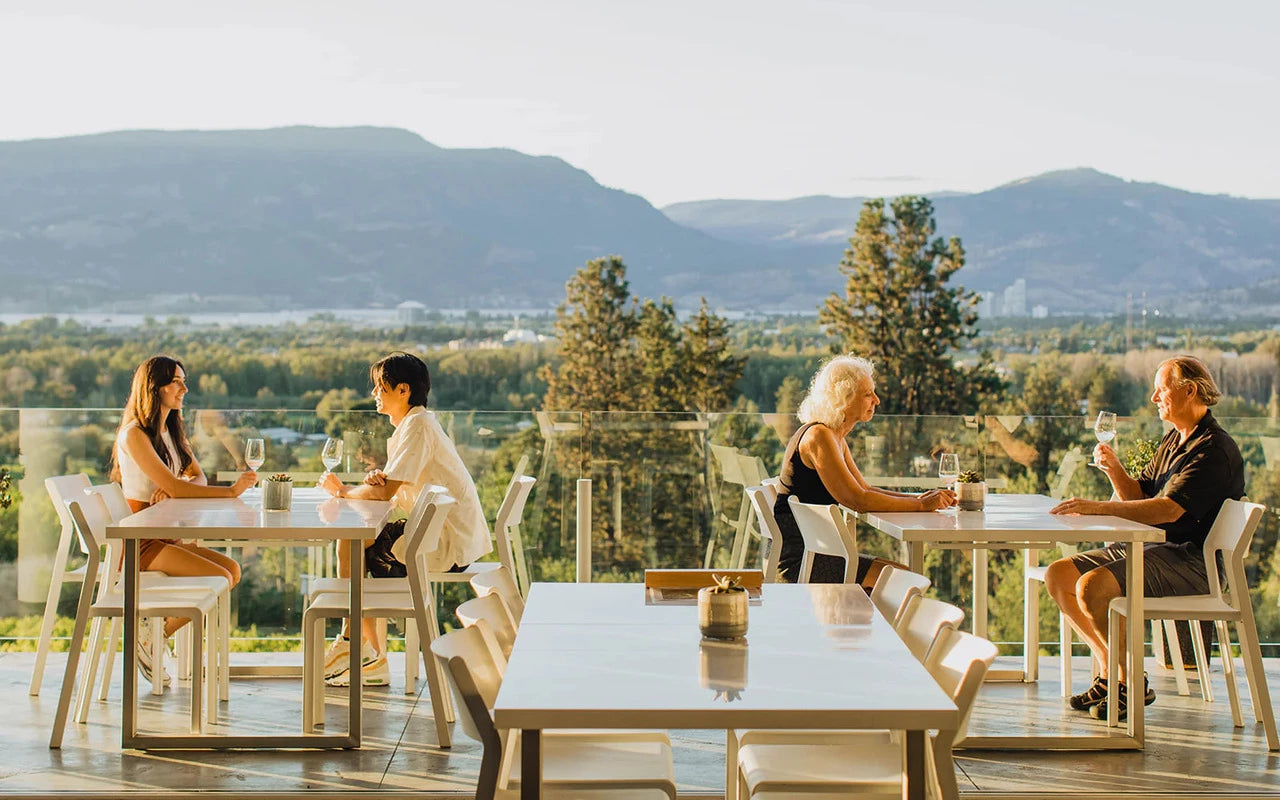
1015 299
411 312
1039 312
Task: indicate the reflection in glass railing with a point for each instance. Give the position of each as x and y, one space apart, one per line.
667 491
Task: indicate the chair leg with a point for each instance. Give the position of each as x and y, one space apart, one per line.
441 702
309 688
196 624
1114 621
1175 657
212 681
69 675
1064 652
1157 643
1261 695
731 765
224 630
411 650
1202 660
943 771
50 614
1229 671
108 666
90 675
157 654
1030 623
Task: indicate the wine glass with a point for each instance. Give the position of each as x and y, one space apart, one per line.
331 455
1105 429
949 469
255 454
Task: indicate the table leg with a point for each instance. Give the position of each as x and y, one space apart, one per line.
730 764
356 600
129 699
1136 634
915 556
530 764
915 788
980 592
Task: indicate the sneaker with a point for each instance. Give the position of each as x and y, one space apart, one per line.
373 670
336 659
1090 697
1099 711
144 654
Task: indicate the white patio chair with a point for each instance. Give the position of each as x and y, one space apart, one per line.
61 488
894 587
500 582
117 509
493 610
573 762
923 621
1230 535
762 499
868 763
825 532
413 602
154 600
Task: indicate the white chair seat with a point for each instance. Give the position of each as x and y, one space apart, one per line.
581 762
1187 607
868 765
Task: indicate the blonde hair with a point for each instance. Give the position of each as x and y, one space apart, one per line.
1191 371
831 388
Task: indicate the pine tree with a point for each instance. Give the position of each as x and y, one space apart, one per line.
595 326
658 353
710 373
898 311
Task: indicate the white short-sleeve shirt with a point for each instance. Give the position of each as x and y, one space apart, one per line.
419 453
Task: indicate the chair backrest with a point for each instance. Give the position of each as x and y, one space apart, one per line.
730 466
958 662
113 495
474 679
506 529
752 469
923 620
894 587
491 610
423 539
1071 460
62 488
90 516
762 499
1231 534
825 532
499 581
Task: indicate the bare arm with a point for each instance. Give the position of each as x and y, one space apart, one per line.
138 447
1150 511
822 451
384 490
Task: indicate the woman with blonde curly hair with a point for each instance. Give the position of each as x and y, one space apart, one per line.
818 468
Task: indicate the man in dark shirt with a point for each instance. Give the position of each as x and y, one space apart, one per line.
1197 466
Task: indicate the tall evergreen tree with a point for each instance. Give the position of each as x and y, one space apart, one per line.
658 351
710 372
595 326
898 310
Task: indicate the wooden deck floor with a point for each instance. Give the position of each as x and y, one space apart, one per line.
1192 749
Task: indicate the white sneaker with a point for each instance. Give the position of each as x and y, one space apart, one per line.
336 659
373 669
144 654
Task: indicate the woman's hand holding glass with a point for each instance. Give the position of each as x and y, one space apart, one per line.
246 481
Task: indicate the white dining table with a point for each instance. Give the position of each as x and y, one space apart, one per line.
313 516
1023 522
598 655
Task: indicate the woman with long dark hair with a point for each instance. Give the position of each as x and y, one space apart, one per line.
152 460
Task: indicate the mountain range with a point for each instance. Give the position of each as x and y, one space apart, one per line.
342 217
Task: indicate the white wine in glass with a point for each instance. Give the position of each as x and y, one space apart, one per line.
1105 429
331 455
949 469
255 454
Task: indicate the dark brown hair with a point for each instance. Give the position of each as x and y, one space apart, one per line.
143 405
405 368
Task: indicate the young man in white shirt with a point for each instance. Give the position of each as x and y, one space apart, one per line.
418 453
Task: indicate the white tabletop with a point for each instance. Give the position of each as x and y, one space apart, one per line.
1009 518
314 515
595 655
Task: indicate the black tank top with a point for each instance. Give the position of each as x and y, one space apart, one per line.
798 479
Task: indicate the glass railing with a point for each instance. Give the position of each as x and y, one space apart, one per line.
666 491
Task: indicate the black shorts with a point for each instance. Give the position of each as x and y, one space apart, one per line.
1168 570
380 562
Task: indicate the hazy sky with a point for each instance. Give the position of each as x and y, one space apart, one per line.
691 99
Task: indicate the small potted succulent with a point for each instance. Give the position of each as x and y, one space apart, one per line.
277 492
722 609
971 490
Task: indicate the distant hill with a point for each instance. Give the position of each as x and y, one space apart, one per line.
298 217
165 222
1081 239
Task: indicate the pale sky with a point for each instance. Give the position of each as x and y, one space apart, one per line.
691 99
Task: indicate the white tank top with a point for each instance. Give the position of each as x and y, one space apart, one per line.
136 484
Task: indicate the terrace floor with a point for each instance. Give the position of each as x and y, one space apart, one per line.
1192 748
